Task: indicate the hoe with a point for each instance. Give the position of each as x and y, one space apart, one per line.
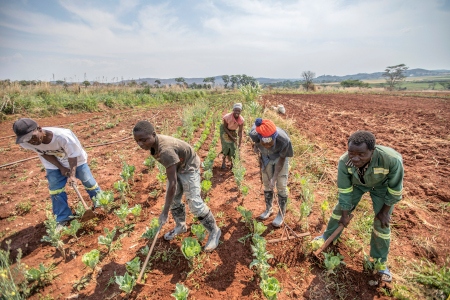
88 214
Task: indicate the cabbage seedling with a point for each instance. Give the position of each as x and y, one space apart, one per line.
122 187
73 229
136 211
123 212
199 230
258 227
104 199
190 248
270 288
181 292
206 186
91 258
151 232
126 282
134 266
150 162
53 234
108 239
332 261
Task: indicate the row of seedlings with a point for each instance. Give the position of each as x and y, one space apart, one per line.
208 163
269 285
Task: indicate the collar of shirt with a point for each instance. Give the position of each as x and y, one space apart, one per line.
358 170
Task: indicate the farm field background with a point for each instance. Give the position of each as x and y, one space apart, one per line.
416 125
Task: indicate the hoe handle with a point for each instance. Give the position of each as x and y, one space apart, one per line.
74 185
148 255
331 238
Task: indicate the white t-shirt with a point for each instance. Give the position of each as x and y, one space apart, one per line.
64 144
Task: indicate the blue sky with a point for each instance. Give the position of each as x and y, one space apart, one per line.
131 39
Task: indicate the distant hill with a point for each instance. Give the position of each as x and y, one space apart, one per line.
377 75
321 78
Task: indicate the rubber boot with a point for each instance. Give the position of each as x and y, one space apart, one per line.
209 223
179 215
282 201
268 197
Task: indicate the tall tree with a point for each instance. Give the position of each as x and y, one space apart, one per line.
394 75
308 77
226 80
180 81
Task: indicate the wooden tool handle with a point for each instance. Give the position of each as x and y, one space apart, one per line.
148 255
331 238
79 195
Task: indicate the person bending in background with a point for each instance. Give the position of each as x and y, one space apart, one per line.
64 160
275 148
367 167
183 176
228 137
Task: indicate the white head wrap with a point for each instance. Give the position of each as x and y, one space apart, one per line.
238 106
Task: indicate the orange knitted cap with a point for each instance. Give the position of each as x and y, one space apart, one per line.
265 127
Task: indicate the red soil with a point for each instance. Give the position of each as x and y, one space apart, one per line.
416 127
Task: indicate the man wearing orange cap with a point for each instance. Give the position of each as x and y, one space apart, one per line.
274 145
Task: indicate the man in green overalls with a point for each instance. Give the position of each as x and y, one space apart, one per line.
367 167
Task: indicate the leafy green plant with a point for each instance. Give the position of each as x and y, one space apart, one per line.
108 238
126 282
82 283
134 266
246 216
91 258
149 162
270 287
127 172
324 206
72 230
161 176
123 212
199 230
332 261
261 256
238 171
206 186
136 211
208 174
181 292
122 188
190 248
53 233
79 209
41 276
104 199
258 227
144 251
151 231
316 244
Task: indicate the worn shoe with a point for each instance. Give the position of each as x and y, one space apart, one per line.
268 198
386 275
214 232
60 225
174 232
282 202
179 215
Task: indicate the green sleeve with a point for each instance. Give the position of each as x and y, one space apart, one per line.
345 186
395 182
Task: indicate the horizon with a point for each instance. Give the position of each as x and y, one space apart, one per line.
125 40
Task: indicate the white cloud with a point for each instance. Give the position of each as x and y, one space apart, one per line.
258 38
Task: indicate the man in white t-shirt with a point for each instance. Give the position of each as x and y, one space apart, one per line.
64 160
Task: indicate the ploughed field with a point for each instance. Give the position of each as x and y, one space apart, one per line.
417 127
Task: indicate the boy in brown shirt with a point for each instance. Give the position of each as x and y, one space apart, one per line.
183 176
